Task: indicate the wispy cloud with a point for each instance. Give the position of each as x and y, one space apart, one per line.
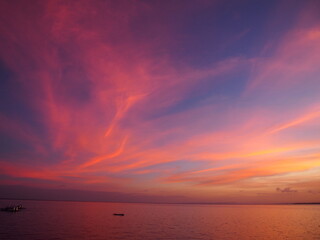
127 96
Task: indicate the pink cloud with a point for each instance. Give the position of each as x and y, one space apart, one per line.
109 101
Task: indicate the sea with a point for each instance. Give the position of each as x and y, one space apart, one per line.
55 220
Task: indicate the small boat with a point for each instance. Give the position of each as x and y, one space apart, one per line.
118 214
12 208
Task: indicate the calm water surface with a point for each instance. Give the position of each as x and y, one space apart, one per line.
87 220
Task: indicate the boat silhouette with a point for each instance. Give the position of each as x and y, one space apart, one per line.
12 208
118 214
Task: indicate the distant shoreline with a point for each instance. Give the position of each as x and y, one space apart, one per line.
181 203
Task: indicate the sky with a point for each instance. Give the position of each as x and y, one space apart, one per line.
160 101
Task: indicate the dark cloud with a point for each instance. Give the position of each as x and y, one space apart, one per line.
286 190
313 192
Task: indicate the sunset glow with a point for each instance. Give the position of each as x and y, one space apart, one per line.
171 101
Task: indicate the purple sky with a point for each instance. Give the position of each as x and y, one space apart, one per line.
171 101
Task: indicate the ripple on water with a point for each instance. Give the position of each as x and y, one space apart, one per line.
78 220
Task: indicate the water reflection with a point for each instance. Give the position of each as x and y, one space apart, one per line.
84 220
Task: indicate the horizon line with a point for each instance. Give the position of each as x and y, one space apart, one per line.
189 203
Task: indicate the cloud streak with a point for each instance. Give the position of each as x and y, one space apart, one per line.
131 96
